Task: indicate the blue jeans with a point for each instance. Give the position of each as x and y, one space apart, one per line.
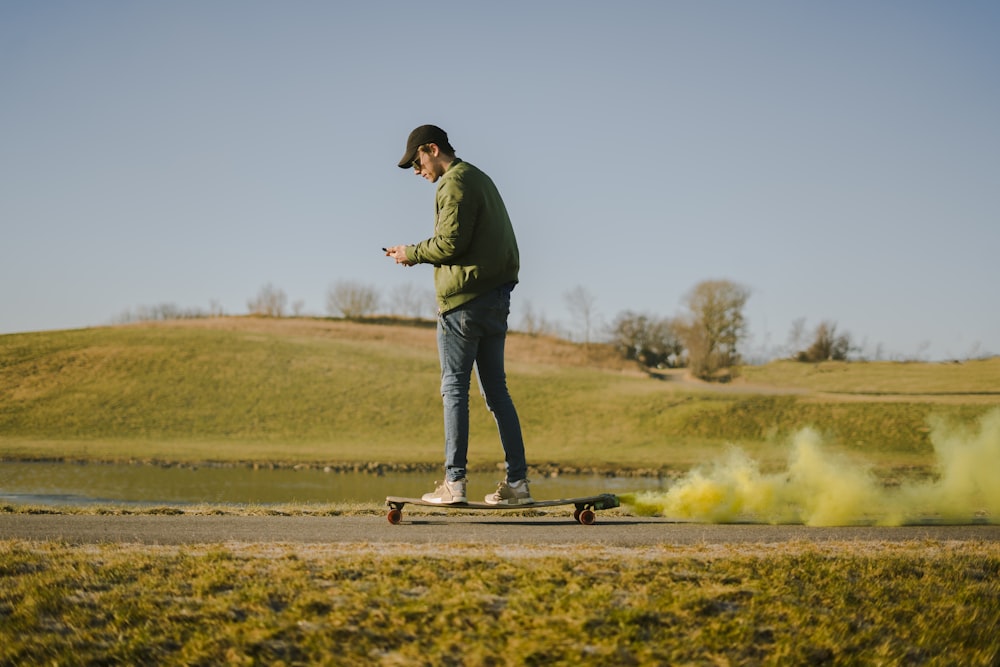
472 336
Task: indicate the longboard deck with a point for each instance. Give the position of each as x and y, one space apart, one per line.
584 513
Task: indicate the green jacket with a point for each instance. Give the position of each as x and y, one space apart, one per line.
473 249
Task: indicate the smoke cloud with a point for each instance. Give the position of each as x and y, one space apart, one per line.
819 488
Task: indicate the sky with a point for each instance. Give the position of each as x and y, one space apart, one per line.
839 160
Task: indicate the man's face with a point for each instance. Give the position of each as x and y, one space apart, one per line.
428 163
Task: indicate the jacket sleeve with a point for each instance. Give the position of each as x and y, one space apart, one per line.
453 229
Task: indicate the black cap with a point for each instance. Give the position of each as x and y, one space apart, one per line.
425 134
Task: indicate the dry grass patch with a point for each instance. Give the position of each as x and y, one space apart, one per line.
920 603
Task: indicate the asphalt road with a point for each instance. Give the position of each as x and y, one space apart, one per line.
484 530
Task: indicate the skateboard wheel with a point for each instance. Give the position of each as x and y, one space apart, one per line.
587 517
576 513
394 516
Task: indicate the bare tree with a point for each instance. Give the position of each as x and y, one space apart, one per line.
163 311
797 336
270 302
410 301
351 300
648 340
535 324
581 308
714 327
827 345
665 345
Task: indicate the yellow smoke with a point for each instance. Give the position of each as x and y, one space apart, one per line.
819 488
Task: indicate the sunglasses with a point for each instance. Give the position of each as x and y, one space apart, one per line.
416 160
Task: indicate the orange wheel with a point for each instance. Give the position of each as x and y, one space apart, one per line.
587 517
394 516
576 514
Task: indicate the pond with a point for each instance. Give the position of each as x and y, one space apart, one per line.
29 483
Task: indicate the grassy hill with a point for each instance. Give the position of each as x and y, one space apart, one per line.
301 390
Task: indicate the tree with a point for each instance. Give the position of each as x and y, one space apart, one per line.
647 340
797 336
270 302
163 311
628 334
351 300
714 327
827 345
535 324
581 307
410 301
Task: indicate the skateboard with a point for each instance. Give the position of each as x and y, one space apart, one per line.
584 513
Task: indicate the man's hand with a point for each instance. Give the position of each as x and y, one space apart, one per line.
398 253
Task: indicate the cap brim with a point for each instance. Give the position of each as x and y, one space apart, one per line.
407 160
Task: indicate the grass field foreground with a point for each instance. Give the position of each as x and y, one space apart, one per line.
917 603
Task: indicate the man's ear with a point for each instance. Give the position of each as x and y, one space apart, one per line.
433 150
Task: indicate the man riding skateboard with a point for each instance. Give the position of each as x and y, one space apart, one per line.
476 261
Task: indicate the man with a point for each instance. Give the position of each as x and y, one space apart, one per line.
475 258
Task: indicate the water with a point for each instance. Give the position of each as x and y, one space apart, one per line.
97 483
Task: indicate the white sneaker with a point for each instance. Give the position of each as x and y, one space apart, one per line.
449 493
511 493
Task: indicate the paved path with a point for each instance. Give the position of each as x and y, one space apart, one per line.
609 531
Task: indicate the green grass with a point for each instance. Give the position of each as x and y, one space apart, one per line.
915 603
246 389
966 379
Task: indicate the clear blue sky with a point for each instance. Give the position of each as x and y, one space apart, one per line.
841 160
